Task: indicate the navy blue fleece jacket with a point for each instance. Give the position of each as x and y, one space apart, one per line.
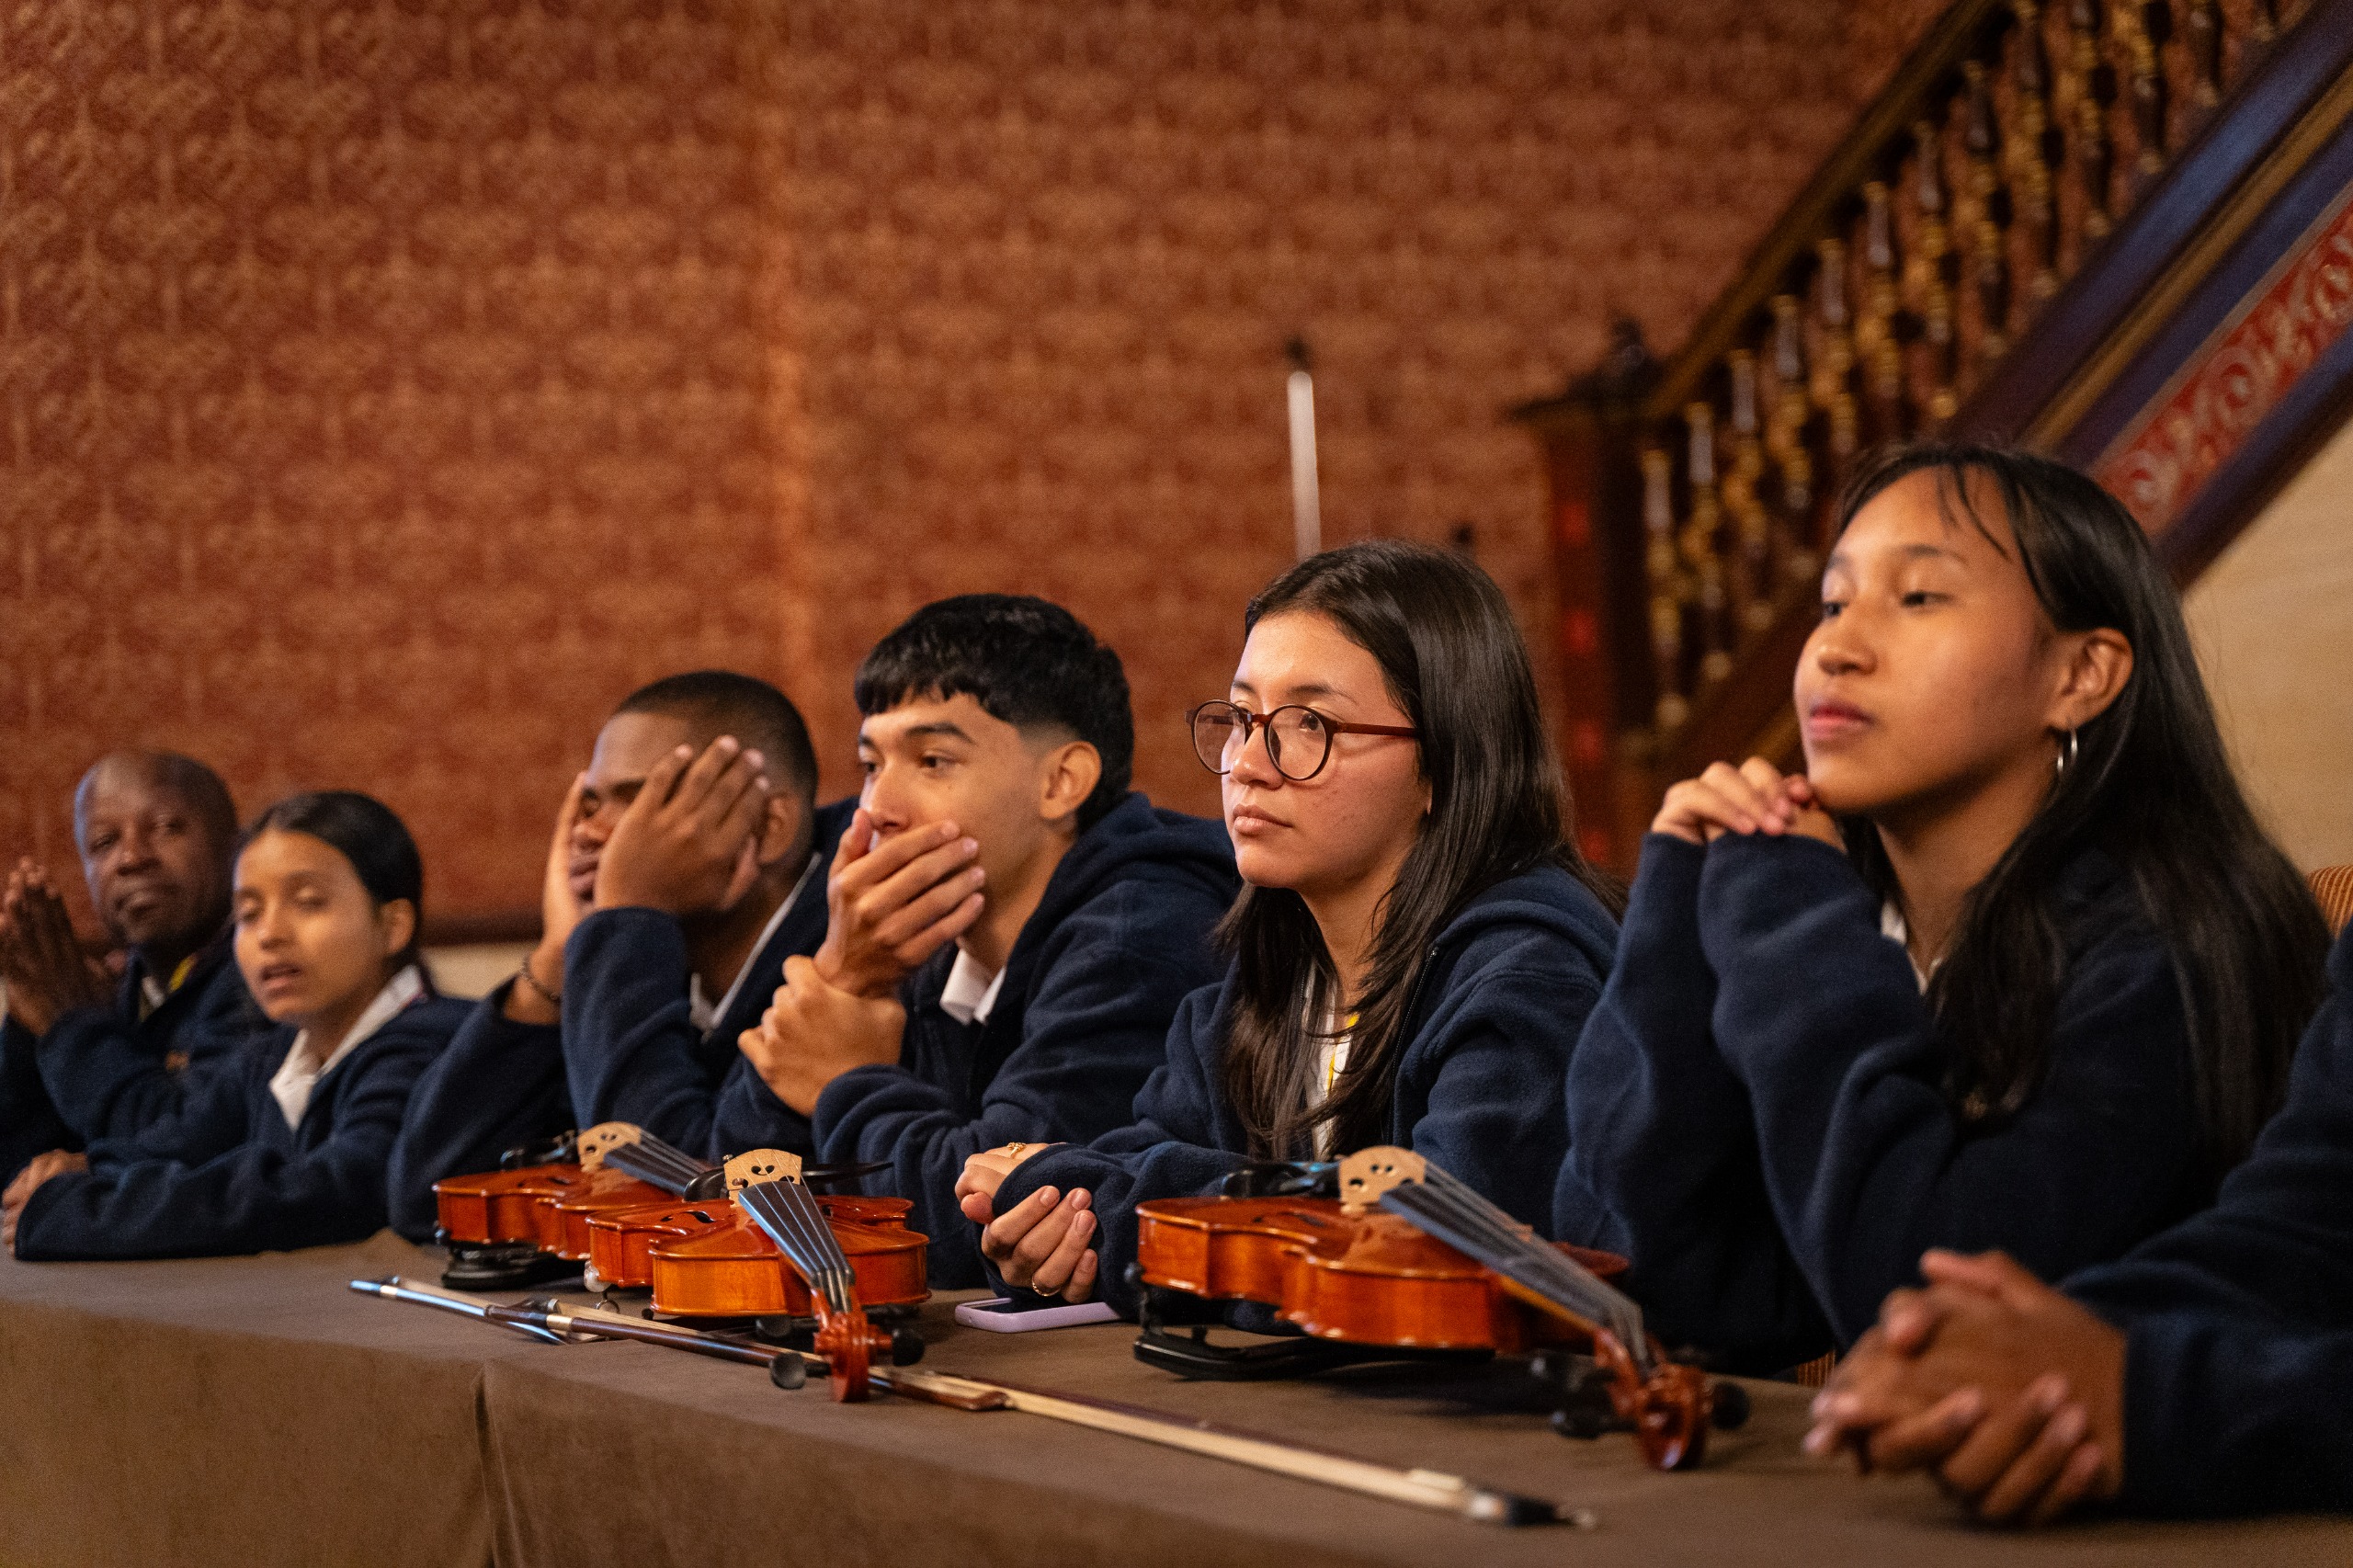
226 1173
106 1071
2238 1366
1494 1015
1082 1019
498 1085
630 1051
1748 1242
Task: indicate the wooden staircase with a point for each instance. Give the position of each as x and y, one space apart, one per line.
2117 232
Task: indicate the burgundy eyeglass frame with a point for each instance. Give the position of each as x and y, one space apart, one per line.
1252 721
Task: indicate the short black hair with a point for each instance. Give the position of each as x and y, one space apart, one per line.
1025 661
370 836
746 707
197 786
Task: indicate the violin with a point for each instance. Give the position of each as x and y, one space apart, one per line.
766 1186
616 1166
1407 1258
621 1243
491 1209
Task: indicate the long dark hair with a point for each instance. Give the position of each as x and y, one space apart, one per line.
2149 782
1453 660
370 836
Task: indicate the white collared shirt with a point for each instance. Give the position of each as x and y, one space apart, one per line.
699 1012
296 1078
1892 927
970 994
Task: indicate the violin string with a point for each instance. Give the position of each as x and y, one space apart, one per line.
1623 1314
754 1200
653 1168
1461 1217
1569 1278
663 1149
1511 1256
799 1231
796 1198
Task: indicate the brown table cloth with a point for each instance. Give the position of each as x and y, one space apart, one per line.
254 1411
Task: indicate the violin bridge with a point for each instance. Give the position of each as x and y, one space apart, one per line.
1370 1174
603 1138
762 1165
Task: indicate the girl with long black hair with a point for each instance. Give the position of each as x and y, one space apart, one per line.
2011 965
1415 947
288 1148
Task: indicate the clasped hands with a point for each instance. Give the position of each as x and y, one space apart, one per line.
1755 797
2010 1393
47 973
1041 1244
891 902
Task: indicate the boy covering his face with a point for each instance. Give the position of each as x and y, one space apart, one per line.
688 862
1011 927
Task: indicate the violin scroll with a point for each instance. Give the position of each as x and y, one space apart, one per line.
1668 1412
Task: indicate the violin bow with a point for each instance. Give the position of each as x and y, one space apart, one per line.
1421 1488
1668 1406
547 1321
393 1287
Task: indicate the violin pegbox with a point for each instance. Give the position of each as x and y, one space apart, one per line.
758 1166
1366 1175
603 1137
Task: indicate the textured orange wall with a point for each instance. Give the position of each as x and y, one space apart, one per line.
390 387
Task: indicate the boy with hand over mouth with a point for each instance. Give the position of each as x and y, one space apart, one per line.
1011 927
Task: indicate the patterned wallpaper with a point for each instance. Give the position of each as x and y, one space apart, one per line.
389 386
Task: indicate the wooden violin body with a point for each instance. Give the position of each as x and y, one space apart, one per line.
1366 1278
722 1265
1404 1255
621 1244
495 1207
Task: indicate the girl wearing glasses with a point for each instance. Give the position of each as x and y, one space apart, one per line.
1417 944
2010 965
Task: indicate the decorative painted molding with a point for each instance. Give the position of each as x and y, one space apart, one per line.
2238 376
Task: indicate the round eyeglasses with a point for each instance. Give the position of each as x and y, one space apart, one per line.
1298 739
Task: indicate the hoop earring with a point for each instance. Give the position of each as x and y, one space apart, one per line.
2067 757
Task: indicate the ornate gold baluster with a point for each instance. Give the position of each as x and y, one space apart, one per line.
1982 138
1932 260
1833 364
1754 583
2095 89
2141 30
1875 341
1667 594
2034 148
1785 434
1703 561
2204 30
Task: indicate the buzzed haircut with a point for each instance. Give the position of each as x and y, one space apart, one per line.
196 786
1027 662
749 709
